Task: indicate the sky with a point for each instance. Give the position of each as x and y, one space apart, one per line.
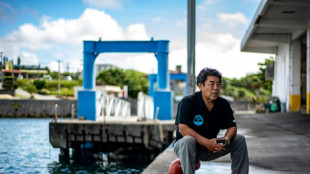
43 32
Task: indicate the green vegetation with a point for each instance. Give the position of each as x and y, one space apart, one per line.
8 83
136 81
253 87
48 87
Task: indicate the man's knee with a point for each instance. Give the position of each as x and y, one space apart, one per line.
185 145
239 141
188 140
239 138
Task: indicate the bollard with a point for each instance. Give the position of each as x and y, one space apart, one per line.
56 106
72 112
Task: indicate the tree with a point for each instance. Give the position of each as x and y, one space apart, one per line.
267 84
18 61
39 84
253 85
8 83
136 81
113 76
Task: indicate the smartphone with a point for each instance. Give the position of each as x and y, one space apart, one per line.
221 141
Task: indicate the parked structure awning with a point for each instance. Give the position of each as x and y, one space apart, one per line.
276 22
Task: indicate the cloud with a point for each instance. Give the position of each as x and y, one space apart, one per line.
104 3
232 20
29 59
62 39
137 32
205 3
220 42
222 51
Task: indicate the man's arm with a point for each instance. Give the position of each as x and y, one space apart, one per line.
231 132
210 144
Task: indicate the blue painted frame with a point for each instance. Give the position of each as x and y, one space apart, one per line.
87 105
153 80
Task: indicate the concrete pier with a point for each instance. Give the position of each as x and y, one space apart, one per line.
110 136
277 143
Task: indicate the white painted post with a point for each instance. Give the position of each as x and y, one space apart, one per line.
295 76
72 111
308 68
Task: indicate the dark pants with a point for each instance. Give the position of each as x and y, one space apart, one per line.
189 151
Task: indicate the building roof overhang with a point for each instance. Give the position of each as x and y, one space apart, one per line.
276 22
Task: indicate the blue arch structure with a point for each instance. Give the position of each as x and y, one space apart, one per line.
87 98
153 80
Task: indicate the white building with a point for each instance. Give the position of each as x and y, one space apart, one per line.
102 67
282 27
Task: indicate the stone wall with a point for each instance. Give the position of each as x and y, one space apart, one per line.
235 106
37 108
242 106
10 92
46 108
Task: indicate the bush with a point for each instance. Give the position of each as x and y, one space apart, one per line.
39 84
31 88
8 83
241 93
21 82
238 93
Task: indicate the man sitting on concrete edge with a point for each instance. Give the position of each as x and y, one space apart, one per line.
199 119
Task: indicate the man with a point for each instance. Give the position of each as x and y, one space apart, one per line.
199 119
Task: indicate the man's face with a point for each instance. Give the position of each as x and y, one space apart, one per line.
211 88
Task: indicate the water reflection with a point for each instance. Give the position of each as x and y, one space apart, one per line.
25 148
97 167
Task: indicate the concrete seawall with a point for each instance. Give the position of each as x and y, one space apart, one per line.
36 108
46 108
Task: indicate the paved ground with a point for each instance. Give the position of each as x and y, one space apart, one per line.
36 96
277 143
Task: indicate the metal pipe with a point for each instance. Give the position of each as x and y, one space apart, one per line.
190 84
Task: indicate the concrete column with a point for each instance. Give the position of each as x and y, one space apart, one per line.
89 71
152 81
294 73
308 69
163 73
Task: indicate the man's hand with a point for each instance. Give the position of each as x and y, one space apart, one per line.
214 147
210 144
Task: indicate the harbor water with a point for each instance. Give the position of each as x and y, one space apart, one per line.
25 148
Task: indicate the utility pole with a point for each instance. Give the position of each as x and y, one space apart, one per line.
1 70
68 67
59 78
190 84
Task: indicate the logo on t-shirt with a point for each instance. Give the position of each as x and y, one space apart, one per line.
198 120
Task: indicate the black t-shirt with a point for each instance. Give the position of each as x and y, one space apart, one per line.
193 112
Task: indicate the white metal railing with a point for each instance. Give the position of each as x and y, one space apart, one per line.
112 108
145 107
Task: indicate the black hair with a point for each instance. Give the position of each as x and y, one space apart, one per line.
205 72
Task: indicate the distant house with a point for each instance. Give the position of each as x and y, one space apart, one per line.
178 81
99 68
105 89
23 71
